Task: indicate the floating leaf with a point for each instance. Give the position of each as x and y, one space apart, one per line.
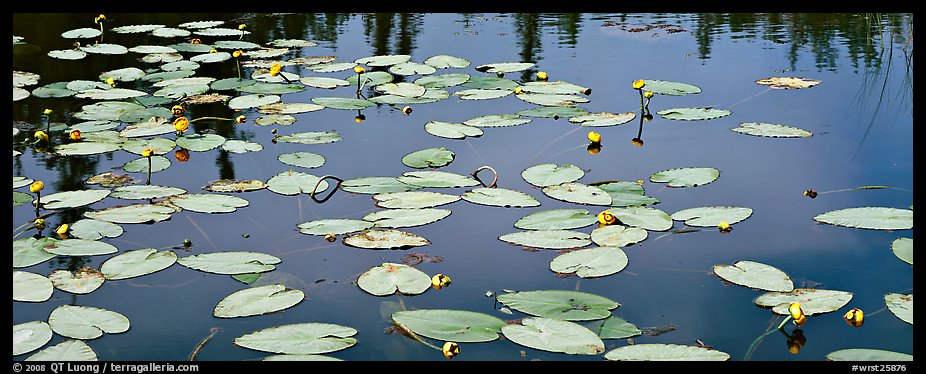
230 262
390 278
563 305
505 67
325 67
91 126
323 227
859 354
257 300
105 49
446 62
137 213
771 130
437 179
20 198
200 142
183 64
31 287
81 33
294 183
19 93
452 130
376 185
555 88
170 32
430 95
140 165
556 219
442 80
413 199
30 251
601 119
83 281
397 218
665 352
85 148
693 114
874 218
302 159
208 203
30 336
428 158
200 24
131 264
903 249
91 229
346 103
323 82
544 175
451 325
235 185
643 217
135 29
299 358
79 247
711 216
241 146
149 128
283 120
385 239
73 199
686 177
496 120
813 301
578 193
231 84
302 338
624 193
84 322
57 89
901 305
370 79
145 192
552 100
618 236
554 112
481 94
616 328
68 350
67 54
292 43
554 335
670 88
500 197
252 101
784 83
310 137
105 110
591 262
490 83
383 60
411 68
551 239
755 275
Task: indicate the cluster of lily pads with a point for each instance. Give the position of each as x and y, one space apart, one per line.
131 111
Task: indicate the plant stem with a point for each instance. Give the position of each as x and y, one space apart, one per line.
213 118
755 343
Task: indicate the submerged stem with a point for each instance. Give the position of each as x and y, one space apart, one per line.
755 343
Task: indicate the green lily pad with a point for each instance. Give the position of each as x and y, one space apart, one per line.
554 335
556 219
235 185
452 130
294 183
30 336
229 263
83 281
624 193
256 301
323 227
430 95
591 262
266 53
129 74
490 83
194 25
670 88
686 177
57 89
411 68
873 218
105 110
208 203
24 78
241 146
643 217
19 181
323 82
149 128
84 322
145 192
401 89
601 119
544 175
67 54
481 94
616 328
813 301
135 29
390 278
282 120
200 142
437 179
333 67
618 236
496 120
860 354
555 88
208 58
182 64
442 80
30 251
92 126
446 62
170 32
230 84
693 114
451 325
501 197
302 338
136 213
131 264
383 60
31 287
252 101
302 159
79 247
177 91
413 199
554 112
85 148
397 218
376 185
91 229
140 165
901 305
903 249
552 100
385 239
787 83
755 275
310 137
345 103
428 158
665 352
235 44
20 198
771 130
68 350
711 216
292 43
81 33
370 79
578 193
504 67
549 239
105 49
73 199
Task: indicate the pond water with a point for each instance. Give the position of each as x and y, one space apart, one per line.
860 116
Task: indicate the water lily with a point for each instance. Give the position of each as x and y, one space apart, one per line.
542 76
62 231
74 135
854 317
181 124
331 237
40 136
407 110
147 152
440 281
640 182
177 110
110 81
39 224
451 349
724 227
182 155
359 69
638 84
242 26
47 112
518 90
594 137
241 119
196 41
811 194
36 186
606 218
237 53
648 94
648 117
797 314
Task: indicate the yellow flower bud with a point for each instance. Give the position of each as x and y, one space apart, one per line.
36 186
181 124
640 182
110 81
40 135
407 110
811 194
331 237
648 94
47 112
213 51
177 110
795 310
275 69
359 69
606 218
242 26
541 76
800 321
74 135
237 53
196 41
451 349
62 230
147 152
241 119
440 281
594 137
518 90
724 227
855 317
39 224
638 84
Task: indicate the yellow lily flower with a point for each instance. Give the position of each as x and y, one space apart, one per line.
275 69
40 135
242 26
331 237
177 110
360 118
110 81
359 69
237 53
542 76
62 231
47 112
640 182
440 281
407 110
638 84
855 317
594 137
518 90
811 194
196 41
181 124
36 186
606 218
724 227
74 135
39 224
451 349
147 152
241 119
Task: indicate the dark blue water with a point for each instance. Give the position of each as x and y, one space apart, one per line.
861 117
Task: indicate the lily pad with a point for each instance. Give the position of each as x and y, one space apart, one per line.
686 177
230 263
105 110
140 165
30 251
310 137
496 120
693 114
860 354
68 350
873 218
131 264
252 101
57 89
643 217
345 103
901 305
323 227
136 213
397 218
665 352
437 179
20 198
81 33
481 94
323 82
83 281
370 79
145 192
208 58
451 130
200 142
30 336
601 119
67 54
79 247
670 88
413 199
616 328
292 43
755 275
555 88
85 148
442 80
563 305
578 193
903 249
390 278
785 83
257 300
554 335
556 219
446 62
208 203
429 158
135 29
550 239
302 338
490 83
73 199
554 112
170 32
235 185
294 183
200 24
376 185
544 175
241 146
451 325
105 49
383 60
385 239
553 100
84 322
149 128
411 68
332 67
624 193
20 93
31 287
618 236
771 130
591 262
91 229
711 216
504 67
182 64
813 301
501 197
282 120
